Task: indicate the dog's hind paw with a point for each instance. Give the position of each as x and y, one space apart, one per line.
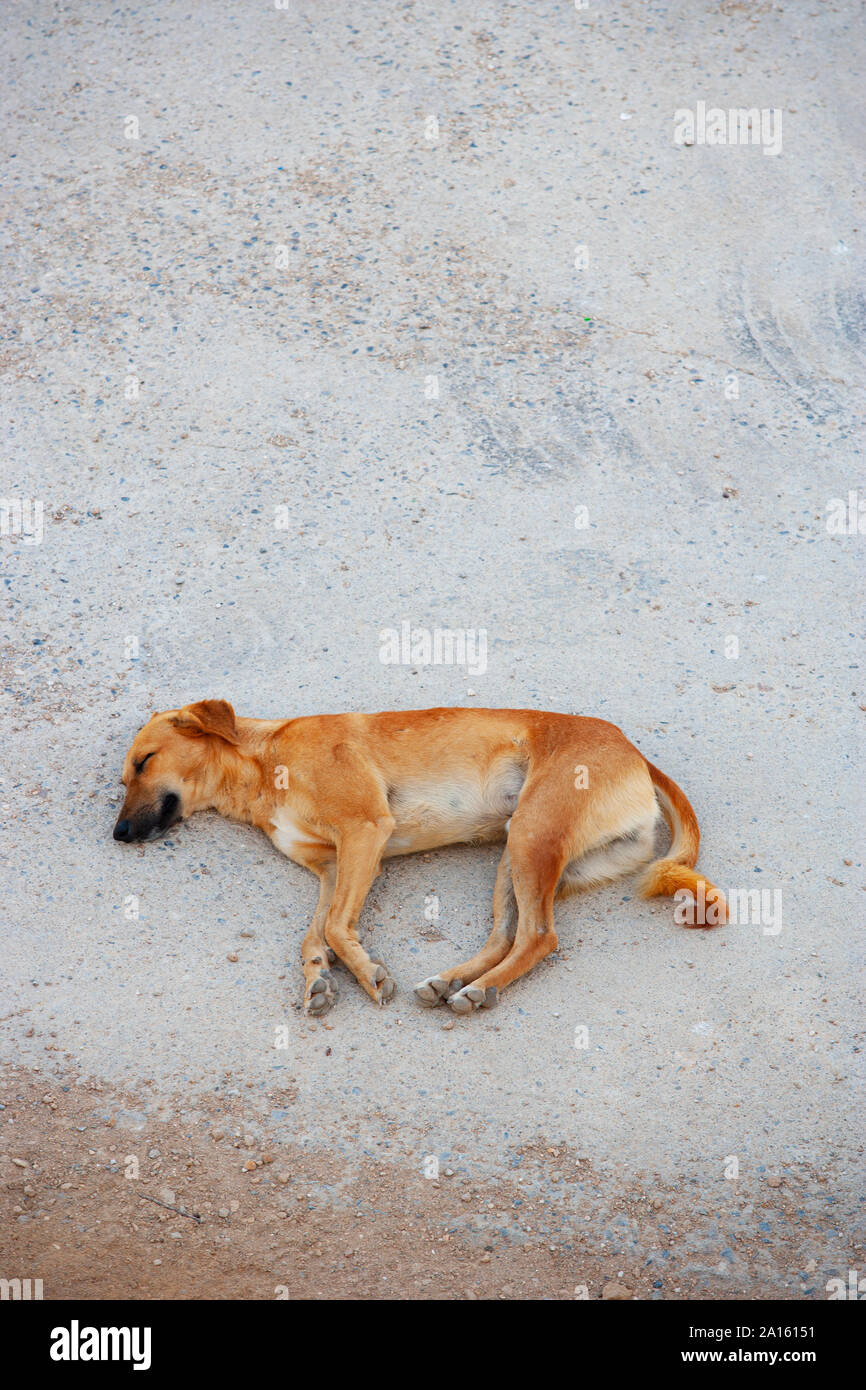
472 997
321 995
432 991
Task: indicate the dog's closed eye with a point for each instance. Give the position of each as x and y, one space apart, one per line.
147 757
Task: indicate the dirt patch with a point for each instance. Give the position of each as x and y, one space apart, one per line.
100 1199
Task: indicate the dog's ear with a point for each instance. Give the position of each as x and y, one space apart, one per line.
208 717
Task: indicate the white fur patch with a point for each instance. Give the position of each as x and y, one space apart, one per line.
289 835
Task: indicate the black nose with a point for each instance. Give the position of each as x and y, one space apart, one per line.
123 830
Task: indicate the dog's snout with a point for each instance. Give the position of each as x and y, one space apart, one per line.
123 831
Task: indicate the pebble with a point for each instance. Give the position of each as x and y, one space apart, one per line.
616 1293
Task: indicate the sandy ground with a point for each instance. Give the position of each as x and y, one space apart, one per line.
323 320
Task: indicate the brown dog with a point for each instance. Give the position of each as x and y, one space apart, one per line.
574 801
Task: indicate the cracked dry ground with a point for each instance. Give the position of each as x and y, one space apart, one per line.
213 1215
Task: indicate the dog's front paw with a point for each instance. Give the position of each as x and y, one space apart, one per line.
433 990
382 986
473 997
321 994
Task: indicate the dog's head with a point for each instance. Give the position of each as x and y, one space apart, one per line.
173 767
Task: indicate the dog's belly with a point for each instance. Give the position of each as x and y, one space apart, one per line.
430 813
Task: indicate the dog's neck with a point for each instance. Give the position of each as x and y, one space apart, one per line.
245 777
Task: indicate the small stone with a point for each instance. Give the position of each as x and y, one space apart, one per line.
232 956
616 1292
774 1182
249 1166
223 1211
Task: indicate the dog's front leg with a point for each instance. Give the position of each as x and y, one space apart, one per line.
359 852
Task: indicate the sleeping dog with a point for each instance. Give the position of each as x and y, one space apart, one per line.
575 803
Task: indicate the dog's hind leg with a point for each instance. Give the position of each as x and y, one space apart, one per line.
538 850
320 987
438 987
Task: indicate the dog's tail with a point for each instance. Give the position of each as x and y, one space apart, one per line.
676 872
